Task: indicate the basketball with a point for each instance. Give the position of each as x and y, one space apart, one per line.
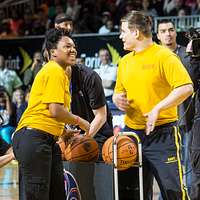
82 148
126 152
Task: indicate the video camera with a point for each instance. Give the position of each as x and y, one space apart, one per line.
193 47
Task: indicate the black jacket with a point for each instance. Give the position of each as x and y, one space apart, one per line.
87 95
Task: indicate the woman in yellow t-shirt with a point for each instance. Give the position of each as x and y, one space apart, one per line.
34 142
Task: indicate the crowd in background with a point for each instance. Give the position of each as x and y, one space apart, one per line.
89 16
13 99
101 16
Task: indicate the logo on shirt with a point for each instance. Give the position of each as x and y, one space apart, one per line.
171 159
147 66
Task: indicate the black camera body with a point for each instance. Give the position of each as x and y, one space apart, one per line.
194 45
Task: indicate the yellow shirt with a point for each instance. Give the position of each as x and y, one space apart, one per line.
51 85
148 77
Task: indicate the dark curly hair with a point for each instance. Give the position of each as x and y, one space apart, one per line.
53 36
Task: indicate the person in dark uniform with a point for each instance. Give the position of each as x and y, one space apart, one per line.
88 98
193 50
89 102
195 137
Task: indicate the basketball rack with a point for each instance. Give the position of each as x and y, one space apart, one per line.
139 164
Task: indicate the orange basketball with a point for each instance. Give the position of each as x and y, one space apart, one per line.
82 148
126 152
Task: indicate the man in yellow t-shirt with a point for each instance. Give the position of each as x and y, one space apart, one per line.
34 144
151 82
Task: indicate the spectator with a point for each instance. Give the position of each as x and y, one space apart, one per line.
59 9
182 23
158 5
168 6
41 22
108 28
124 7
8 78
6 31
196 8
27 94
30 73
19 104
73 9
6 112
105 17
190 3
172 7
26 26
90 21
148 9
108 72
64 21
15 22
55 8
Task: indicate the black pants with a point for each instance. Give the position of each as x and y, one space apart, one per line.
195 161
161 159
40 166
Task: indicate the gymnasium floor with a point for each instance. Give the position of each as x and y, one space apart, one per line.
9 183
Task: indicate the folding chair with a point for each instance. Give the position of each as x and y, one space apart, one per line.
138 164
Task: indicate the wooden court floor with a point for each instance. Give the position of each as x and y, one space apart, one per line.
9 183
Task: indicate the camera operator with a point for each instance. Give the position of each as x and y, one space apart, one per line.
194 70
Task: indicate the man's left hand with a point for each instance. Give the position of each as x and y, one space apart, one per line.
152 117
